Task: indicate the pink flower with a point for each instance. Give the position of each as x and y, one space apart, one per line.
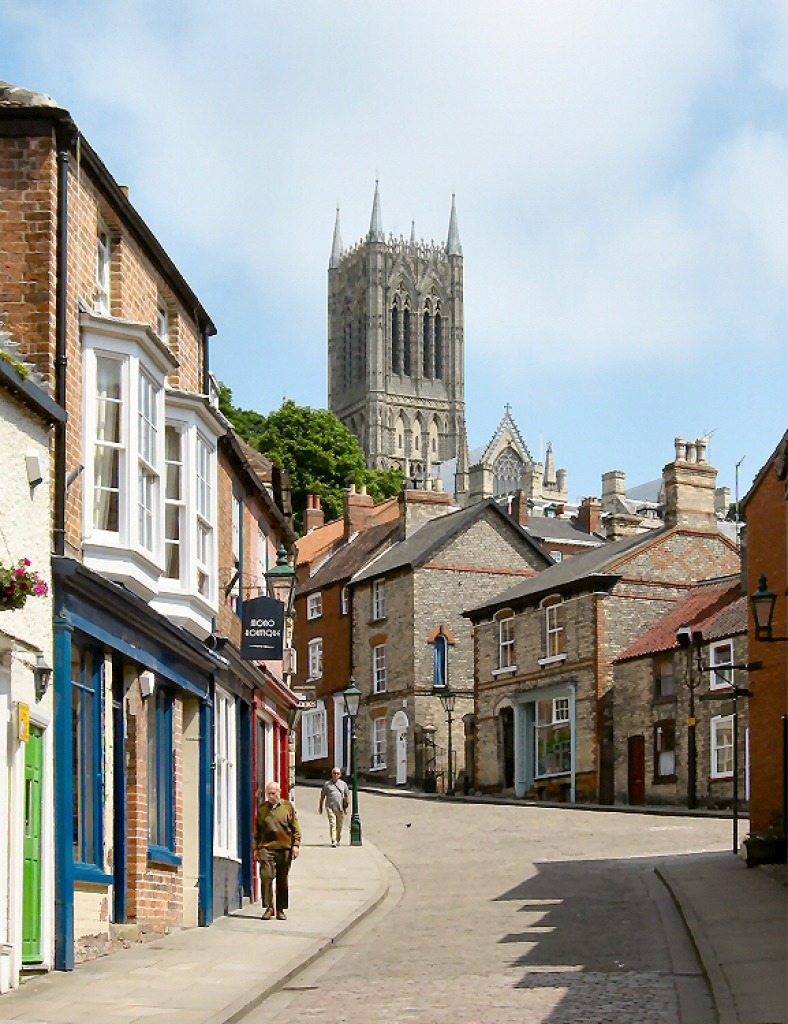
20 573
27 561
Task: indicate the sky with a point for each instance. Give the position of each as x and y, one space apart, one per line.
620 168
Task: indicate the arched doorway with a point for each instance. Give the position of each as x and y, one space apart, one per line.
399 726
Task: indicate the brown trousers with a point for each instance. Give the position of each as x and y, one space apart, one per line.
275 867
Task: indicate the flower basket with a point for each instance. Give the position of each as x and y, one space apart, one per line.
17 583
764 848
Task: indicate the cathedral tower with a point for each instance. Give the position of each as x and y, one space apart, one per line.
396 347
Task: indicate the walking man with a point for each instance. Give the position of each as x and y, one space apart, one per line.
277 842
336 797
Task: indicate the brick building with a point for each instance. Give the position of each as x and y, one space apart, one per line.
766 511
328 557
409 636
252 702
657 690
102 313
545 648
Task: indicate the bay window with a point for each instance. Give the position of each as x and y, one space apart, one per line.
174 505
108 449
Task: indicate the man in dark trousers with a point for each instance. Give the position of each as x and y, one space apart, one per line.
277 842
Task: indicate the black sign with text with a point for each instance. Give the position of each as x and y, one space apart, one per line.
263 629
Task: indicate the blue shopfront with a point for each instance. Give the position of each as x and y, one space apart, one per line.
545 730
134 811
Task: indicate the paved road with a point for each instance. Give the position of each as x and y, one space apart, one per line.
500 914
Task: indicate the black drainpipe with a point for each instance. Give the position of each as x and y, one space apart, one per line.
205 362
65 134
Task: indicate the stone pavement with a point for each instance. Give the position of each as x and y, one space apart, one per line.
215 975
736 918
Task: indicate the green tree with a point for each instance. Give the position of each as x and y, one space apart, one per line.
318 452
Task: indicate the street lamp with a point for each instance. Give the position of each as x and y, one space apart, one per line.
352 699
448 700
281 580
763 602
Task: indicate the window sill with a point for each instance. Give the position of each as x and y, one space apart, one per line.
162 856
552 660
378 768
721 778
91 874
224 855
510 670
664 780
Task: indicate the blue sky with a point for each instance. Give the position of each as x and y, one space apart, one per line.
620 171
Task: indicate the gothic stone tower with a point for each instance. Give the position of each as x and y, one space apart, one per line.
395 346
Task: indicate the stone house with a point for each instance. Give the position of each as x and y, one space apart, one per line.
409 636
252 702
765 508
327 560
102 313
27 825
659 686
545 648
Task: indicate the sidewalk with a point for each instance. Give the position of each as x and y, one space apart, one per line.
737 918
214 975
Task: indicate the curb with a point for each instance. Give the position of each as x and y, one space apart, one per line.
716 981
239 1008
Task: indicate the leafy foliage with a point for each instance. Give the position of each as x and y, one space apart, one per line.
318 452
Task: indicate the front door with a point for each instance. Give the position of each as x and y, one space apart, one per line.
402 757
636 769
507 729
31 883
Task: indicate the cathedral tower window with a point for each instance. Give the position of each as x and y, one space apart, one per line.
395 363
426 345
406 342
438 345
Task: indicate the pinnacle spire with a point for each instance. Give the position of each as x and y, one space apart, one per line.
336 247
376 221
453 246
413 232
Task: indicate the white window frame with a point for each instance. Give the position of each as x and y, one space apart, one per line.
237 529
378 600
663 762
506 659
148 475
104 444
315 658
314 734
314 605
175 505
721 656
225 833
203 512
103 297
379 743
717 723
561 711
379 677
557 556
163 322
344 600
555 633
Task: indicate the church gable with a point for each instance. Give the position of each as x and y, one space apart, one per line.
507 436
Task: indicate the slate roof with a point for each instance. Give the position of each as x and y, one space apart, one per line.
351 557
417 549
588 565
711 608
561 531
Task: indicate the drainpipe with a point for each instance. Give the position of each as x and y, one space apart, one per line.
573 742
65 135
205 361
64 791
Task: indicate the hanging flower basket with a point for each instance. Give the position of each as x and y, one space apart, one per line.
17 583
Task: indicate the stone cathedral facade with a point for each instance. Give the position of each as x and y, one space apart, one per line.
396 346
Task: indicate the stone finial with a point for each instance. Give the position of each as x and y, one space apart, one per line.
376 233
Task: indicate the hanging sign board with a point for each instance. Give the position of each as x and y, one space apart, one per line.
263 629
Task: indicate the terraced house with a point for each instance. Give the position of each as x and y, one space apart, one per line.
545 647
155 730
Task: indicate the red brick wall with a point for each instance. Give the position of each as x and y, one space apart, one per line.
155 893
767 552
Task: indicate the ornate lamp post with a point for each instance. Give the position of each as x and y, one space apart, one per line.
763 602
281 580
448 700
352 698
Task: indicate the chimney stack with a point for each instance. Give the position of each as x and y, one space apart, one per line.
520 508
358 511
314 516
418 507
589 515
690 485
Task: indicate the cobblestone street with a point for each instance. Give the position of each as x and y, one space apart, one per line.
513 914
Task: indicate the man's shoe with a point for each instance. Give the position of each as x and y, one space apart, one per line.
268 914
333 843
281 915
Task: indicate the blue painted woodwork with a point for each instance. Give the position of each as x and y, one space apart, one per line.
162 815
119 794
205 888
64 790
87 689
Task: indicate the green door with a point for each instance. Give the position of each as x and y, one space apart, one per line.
31 891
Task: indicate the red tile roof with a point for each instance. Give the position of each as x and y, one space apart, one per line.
698 610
